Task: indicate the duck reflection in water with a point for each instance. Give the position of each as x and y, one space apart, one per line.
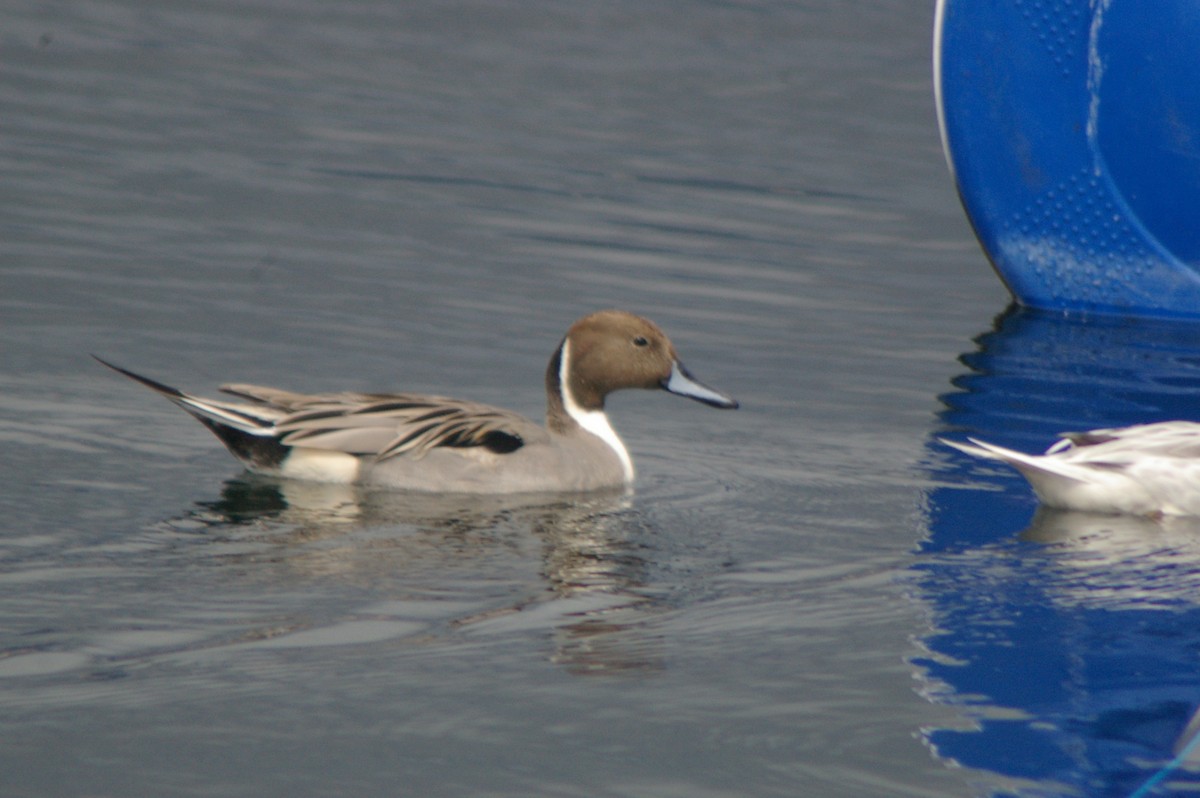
575 566
1117 562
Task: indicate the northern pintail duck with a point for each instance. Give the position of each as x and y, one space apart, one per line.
1148 469
432 443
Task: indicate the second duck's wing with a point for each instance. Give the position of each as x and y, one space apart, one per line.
1179 439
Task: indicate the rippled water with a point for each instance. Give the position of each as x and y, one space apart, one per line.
421 196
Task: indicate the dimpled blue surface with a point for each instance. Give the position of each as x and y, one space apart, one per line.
1073 132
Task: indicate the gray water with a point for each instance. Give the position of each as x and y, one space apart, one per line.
422 196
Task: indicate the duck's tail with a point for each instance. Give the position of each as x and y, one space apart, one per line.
1031 465
248 431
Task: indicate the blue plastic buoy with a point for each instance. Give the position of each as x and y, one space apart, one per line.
1072 129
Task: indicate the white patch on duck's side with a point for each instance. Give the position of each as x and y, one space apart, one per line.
320 465
594 421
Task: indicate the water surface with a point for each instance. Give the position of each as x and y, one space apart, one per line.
383 196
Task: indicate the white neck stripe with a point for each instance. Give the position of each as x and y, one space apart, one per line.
594 421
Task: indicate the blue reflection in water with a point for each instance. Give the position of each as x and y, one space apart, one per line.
1072 640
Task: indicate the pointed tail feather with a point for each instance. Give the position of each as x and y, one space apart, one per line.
1027 464
223 414
248 432
975 448
165 390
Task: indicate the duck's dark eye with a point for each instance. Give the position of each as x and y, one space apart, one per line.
640 341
